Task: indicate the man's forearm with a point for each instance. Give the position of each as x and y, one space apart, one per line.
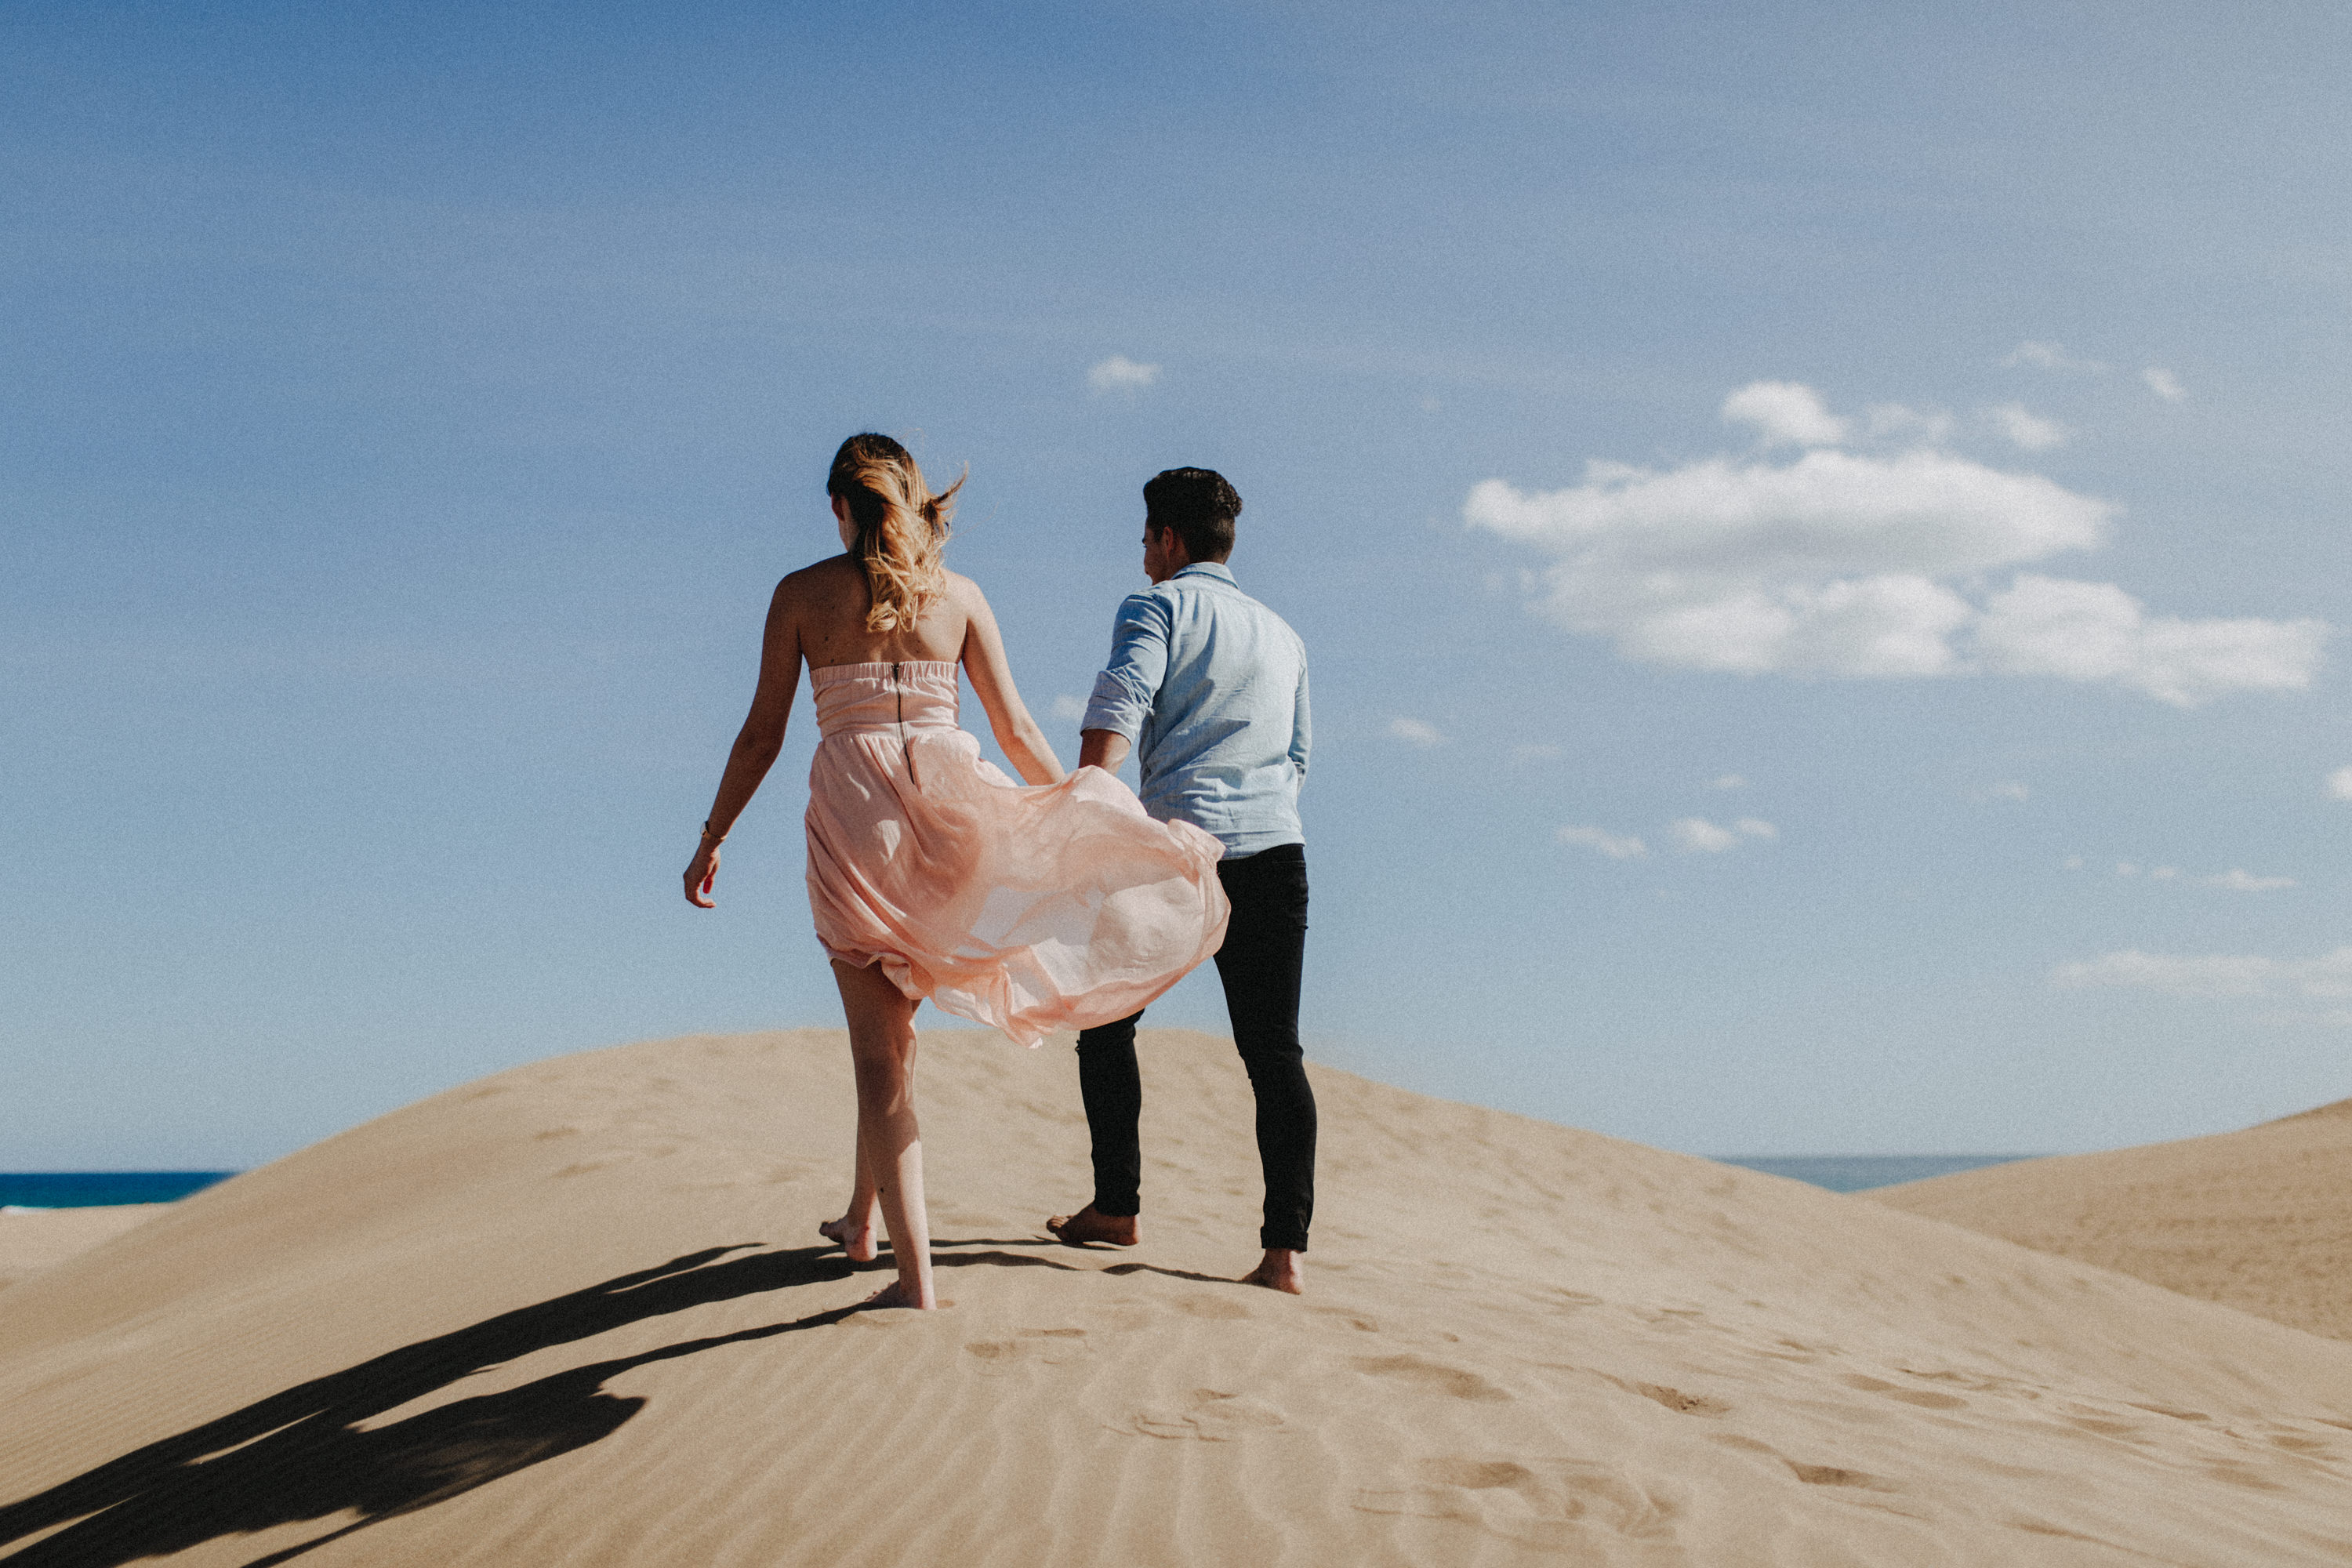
1104 748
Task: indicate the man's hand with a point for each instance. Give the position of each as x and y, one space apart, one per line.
1104 748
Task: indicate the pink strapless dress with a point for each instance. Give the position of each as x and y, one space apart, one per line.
1027 909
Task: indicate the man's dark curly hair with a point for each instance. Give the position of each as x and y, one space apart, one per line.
1199 505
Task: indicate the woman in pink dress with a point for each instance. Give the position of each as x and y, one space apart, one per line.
931 874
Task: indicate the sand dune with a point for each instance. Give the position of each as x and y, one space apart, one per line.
2260 1220
33 1243
570 1315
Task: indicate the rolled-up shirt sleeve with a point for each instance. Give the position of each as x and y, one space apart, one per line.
1124 691
1300 728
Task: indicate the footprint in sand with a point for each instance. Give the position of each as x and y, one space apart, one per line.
1348 1319
1453 1380
1676 1400
1811 1475
1925 1398
2176 1414
1838 1475
1211 1307
1548 1503
1208 1415
1048 1347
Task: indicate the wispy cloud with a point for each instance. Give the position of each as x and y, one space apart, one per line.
2164 384
1697 835
1616 845
1726 781
1860 564
2339 785
2050 356
2213 975
1069 707
1119 374
1415 732
2237 880
1533 750
2028 431
2009 789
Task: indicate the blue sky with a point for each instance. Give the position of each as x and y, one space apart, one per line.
408 413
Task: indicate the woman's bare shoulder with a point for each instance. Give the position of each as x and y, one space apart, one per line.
821 580
964 594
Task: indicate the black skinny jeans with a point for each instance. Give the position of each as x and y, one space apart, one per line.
1265 946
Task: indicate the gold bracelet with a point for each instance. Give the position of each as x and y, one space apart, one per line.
713 837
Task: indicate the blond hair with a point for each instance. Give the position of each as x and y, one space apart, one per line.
902 527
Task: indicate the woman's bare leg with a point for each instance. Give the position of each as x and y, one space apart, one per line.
890 1148
860 1224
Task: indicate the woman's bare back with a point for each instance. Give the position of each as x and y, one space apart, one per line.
829 601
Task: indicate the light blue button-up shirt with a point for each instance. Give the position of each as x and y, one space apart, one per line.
1210 688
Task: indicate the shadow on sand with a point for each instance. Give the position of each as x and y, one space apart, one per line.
301 1454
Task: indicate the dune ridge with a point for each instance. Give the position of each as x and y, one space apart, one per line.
2259 1219
576 1313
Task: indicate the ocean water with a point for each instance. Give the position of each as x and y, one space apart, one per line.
1860 1172
97 1189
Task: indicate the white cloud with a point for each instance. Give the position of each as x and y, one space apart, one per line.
2011 790
1532 751
2050 356
1697 835
1733 781
2125 869
2072 863
1069 707
2164 384
2214 974
1786 412
2029 431
1617 847
2237 880
1846 563
2339 785
1415 732
1120 374
2164 873
2096 632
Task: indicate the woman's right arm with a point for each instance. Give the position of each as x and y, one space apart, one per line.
760 741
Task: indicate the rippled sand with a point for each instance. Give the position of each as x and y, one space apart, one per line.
578 1314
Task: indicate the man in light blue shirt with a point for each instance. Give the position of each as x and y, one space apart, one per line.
1208 688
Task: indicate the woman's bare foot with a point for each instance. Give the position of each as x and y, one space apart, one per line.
1086 1225
897 1295
856 1240
1281 1271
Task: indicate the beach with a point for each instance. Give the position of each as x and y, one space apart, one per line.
577 1313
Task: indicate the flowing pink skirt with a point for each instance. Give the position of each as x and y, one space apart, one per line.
1027 909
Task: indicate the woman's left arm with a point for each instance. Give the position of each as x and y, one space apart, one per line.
1024 743
758 743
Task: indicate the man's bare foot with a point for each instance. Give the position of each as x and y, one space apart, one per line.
897 1295
856 1240
1280 1271
1085 1227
